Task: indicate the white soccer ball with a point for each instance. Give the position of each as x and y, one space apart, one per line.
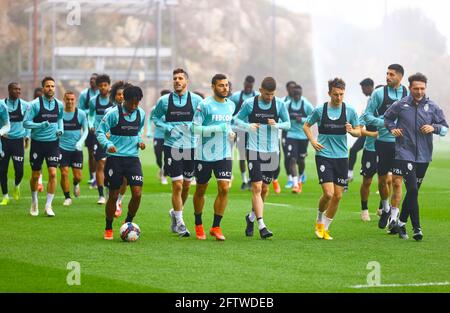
130 232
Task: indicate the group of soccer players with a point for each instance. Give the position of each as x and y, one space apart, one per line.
197 137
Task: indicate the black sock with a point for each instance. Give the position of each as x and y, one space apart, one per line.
67 195
198 219
100 191
129 218
108 224
217 219
364 205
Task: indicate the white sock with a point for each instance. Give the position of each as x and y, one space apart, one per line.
261 224
385 204
350 173
34 196
401 224
244 178
40 179
394 213
178 216
295 180
6 196
252 216
327 222
120 197
319 217
50 196
290 178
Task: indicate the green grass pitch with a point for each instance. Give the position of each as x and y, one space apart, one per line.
35 251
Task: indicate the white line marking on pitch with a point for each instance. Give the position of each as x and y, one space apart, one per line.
277 204
445 283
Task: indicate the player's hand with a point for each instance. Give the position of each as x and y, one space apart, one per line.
426 129
79 146
271 122
254 126
232 135
26 142
348 127
397 132
108 135
92 130
59 133
112 149
141 145
317 146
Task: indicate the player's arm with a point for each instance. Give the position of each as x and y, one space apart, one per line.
91 114
371 109
366 133
85 132
158 114
390 118
60 129
31 113
4 117
240 119
109 120
141 131
311 120
81 101
284 117
439 124
150 126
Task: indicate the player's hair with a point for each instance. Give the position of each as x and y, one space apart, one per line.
180 71
69 92
336 83
202 95
397 67
164 92
218 77
291 82
269 84
132 92
46 78
103 78
94 74
115 87
250 79
367 82
36 90
418 77
297 87
11 84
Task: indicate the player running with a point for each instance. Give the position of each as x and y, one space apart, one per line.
125 123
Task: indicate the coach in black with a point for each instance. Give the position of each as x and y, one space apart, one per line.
413 121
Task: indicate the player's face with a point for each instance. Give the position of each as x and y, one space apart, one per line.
221 88
336 96
119 96
297 94
367 90
69 102
49 89
393 78
290 89
92 82
131 105
14 91
266 95
417 90
248 87
179 82
103 88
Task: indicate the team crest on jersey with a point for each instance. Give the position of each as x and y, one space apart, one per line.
250 165
199 167
426 107
290 147
322 168
368 165
410 166
169 161
35 155
110 172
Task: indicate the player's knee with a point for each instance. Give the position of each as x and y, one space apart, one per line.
223 189
177 186
52 175
257 188
337 196
136 194
328 194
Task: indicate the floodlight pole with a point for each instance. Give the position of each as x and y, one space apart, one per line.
158 47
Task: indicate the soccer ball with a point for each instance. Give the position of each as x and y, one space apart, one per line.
130 232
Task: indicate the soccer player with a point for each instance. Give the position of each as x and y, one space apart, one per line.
44 117
5 125
116 98
158 143
97 107
367 85
262 116
125 123
296 141
413 121
38 93
212 122
241 137
379 102
83 104
335 119
71 146
174 113
13 141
